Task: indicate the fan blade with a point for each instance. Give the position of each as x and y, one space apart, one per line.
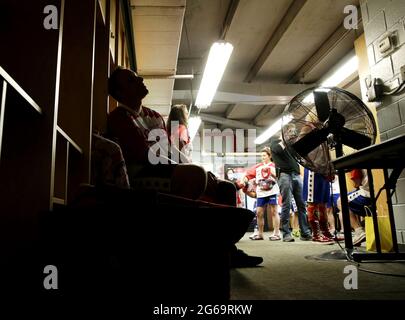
310 141
322 105
354 139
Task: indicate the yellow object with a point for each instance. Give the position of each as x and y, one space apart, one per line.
384 229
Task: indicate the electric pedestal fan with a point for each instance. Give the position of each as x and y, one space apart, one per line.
320 120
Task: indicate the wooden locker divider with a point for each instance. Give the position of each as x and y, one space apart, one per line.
51 100
76 80
101 72
30 61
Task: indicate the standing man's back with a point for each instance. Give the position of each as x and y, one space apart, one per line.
290 184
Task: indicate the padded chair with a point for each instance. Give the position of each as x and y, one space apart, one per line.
116 240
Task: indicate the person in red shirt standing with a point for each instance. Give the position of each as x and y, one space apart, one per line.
177 129
267 192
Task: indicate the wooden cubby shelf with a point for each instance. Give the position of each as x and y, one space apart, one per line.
69 139
20 90
58 201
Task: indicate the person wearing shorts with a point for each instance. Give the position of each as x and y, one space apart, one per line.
266 192
358 200
316 193
333 210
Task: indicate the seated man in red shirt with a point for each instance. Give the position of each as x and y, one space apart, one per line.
132 125
142 136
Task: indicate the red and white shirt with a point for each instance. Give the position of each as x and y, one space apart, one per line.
265 178
132 130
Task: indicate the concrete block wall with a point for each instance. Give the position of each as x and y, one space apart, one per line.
379 17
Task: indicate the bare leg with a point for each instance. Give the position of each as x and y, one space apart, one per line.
273 214
339 205
331 220
260 220
341 220
354 221
296 225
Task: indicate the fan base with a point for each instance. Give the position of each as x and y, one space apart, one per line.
330 256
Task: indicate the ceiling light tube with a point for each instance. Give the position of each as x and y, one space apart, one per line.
340 75
345 71
273 129
218 58
193 125
175 76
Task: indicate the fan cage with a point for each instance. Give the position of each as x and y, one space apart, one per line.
300 118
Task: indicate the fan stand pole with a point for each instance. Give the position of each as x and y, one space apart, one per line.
344 202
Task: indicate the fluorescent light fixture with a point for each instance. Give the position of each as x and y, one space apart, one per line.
342 73
218 58
163 76
310 99
345 71
274 128
193 125
182 76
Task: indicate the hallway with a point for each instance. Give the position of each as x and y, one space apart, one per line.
287 274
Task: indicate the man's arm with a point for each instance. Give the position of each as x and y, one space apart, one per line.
277 147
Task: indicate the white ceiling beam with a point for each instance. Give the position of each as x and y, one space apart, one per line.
157 26
248 93
261 113
275 38
230 110
334 40
233 6
256 88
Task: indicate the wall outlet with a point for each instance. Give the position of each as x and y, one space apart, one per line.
387 43
384 45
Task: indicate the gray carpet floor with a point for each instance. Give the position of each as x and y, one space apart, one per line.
289 272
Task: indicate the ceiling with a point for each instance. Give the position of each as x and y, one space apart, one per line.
280 47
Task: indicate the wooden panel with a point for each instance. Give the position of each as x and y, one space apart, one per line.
30 57
101 69
76 82
103 9
60 167
112 103
113 27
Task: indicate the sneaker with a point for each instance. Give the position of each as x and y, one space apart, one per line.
306 237
339 237
288 238
240 259
296 233
359 237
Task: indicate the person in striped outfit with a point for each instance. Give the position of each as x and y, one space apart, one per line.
316 192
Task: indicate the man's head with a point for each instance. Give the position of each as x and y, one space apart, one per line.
290 132
127 87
